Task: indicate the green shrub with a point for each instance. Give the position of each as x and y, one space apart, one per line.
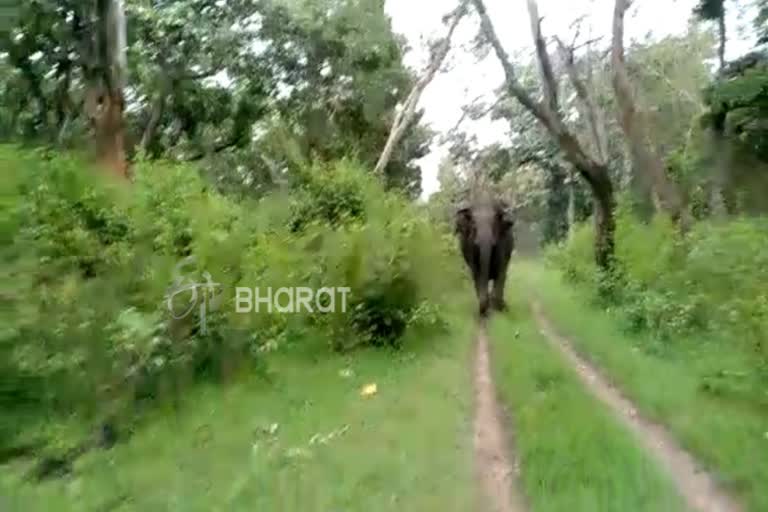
89 263
330 194
711 281
575 256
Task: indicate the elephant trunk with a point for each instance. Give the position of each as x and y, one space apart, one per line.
483 276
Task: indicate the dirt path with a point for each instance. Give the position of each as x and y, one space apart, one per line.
493 459
698 487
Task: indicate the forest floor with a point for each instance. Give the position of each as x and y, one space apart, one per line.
306 439
677 388
549 407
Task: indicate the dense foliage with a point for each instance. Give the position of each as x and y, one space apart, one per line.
224 81
88 266
708 285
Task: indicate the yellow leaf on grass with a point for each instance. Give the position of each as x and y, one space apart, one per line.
369 390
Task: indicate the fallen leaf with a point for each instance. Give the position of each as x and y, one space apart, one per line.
369 390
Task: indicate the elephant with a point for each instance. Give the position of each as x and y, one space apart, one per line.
484 228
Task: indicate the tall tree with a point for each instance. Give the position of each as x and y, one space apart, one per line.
761 21
548 113
106 83
714 10
666 195
404 117
214 80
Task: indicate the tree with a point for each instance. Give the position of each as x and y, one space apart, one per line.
404 116
53 44
761 21
216 81
547 112
714 10
106 78
342 77
665 193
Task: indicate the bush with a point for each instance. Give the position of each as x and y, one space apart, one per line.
711 281
332 195
88 264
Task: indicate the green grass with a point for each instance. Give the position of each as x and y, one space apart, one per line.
406 448
666 381
574 455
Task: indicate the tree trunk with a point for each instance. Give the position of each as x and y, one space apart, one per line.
107 89
647 160
150 131
722 35
110 136
604 219
547 112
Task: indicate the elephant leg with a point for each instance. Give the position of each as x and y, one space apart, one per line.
497 297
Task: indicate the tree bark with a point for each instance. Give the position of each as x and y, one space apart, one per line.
108 120
150 131
547 113
110 136
604 219
404 117
721 46
664 191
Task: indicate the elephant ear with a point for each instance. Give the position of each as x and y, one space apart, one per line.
463 219
506 215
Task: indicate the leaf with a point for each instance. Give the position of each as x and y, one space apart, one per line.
369 390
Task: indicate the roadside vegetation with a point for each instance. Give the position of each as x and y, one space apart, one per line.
573 455
158 155
701 386
91 345
299 437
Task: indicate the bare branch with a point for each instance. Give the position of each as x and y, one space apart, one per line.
513 85
589 107
588 42
577 23
466 112
403 117
199 75
549 84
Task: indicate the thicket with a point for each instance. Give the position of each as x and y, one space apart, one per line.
709 285
88 264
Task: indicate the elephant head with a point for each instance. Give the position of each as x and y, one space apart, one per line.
484 229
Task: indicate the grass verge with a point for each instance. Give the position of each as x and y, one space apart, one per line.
670 383
305 441
574 455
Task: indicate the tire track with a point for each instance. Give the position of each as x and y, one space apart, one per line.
493 458
698 487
